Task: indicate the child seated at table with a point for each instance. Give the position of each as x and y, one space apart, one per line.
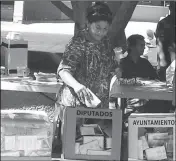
134 66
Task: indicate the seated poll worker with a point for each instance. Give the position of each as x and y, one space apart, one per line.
131 69
133 66
87 63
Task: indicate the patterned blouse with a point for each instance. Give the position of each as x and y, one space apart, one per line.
90 64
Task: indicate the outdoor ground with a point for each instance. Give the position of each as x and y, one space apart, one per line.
46 43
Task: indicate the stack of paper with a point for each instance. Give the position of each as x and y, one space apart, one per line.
45 77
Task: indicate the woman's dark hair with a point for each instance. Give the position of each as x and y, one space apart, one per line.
99 11
167 40
166 33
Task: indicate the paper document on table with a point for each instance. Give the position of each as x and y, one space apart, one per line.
34 82
95 102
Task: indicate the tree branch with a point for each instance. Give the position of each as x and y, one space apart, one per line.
121 19
114 6
79 12
126 11
66 10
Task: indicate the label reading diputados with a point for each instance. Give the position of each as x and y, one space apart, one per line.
94 113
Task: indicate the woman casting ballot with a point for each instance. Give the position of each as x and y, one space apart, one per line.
88 62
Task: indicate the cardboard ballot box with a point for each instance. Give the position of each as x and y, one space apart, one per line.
152 137
15 53
92 134
25 134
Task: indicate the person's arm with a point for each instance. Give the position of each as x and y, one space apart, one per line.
69 66
152 72
79 89
68 79
114 64
125 68
162 73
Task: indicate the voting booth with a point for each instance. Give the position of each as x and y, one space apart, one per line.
152 137
92 134
14 49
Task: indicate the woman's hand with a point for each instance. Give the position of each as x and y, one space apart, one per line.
79 89
83 93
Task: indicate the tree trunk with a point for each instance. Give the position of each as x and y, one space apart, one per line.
122 12
66 10
116 33
79 13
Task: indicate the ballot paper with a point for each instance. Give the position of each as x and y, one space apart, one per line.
10 143
87 130
2 139
170 144
144 143
91 129
98 152
140 150
157 153
157 139
22 143
108 143
94 102
10 153
157 136
100 139
77 145
93 145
